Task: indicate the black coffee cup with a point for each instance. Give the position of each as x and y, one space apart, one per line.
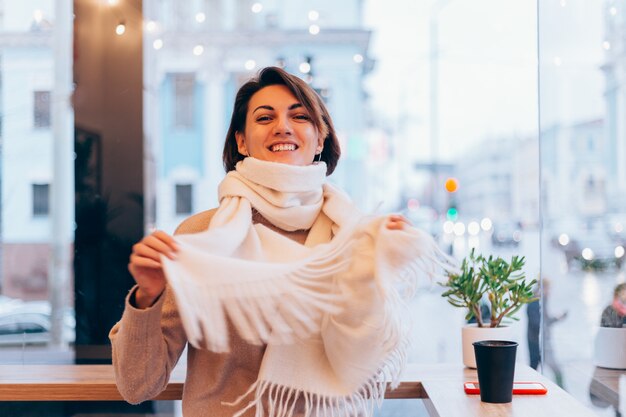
495 364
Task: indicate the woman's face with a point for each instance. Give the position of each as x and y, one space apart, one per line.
279 128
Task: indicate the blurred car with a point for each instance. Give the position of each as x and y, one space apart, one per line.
589 246
29 322
506 233
615 224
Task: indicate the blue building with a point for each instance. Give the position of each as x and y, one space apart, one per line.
196 57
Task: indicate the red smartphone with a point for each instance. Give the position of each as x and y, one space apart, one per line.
519 388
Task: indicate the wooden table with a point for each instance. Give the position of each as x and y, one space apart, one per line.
605 385
439 385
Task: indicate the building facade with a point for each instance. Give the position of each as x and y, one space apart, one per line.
26 71
198 54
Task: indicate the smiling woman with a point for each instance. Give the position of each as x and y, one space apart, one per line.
277 290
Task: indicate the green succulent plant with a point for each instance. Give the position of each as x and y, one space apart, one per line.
503 282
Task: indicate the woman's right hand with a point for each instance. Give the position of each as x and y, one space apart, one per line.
145 266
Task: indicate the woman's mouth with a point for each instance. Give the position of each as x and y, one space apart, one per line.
281 147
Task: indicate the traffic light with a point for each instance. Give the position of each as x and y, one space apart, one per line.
452 214
451 184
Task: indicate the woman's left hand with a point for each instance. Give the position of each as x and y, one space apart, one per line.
397 222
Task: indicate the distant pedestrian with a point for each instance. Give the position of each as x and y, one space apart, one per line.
614 315
534 311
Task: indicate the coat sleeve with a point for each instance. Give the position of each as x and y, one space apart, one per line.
148 343
146 347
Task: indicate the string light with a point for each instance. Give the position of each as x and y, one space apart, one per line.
157 44
112 2
613 11
200 17
305 67
606 45
314 15
120 29
151 26
250 64
198 50
257 7
358 58
314 29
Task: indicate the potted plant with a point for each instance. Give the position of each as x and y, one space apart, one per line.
500 284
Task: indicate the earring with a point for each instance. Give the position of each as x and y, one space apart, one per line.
318 157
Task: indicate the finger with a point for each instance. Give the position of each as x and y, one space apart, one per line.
400 218
158 245
395 225
164 237
138 261
146 251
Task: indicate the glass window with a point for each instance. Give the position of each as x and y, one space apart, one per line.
184 198
42 109
420 93
35 282
41 199
183 100
583 179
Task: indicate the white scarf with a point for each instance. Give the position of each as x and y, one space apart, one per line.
331 310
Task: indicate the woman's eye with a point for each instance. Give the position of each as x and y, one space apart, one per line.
262 118
302 117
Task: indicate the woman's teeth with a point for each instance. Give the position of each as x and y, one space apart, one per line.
283 147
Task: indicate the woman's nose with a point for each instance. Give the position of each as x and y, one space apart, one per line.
282 126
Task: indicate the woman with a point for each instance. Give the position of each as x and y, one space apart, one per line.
280 289
614 315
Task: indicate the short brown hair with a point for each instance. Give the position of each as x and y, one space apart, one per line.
305 95
618 289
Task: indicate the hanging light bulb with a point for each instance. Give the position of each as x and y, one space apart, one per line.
151 26
157 44
120 29
304 67
198 50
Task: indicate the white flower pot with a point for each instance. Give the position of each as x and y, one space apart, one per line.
609 346
471 333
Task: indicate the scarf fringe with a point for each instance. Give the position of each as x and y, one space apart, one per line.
275 308
282 399
430 260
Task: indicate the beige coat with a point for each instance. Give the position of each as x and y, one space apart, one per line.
148 343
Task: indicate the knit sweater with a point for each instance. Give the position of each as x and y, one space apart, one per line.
148 343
